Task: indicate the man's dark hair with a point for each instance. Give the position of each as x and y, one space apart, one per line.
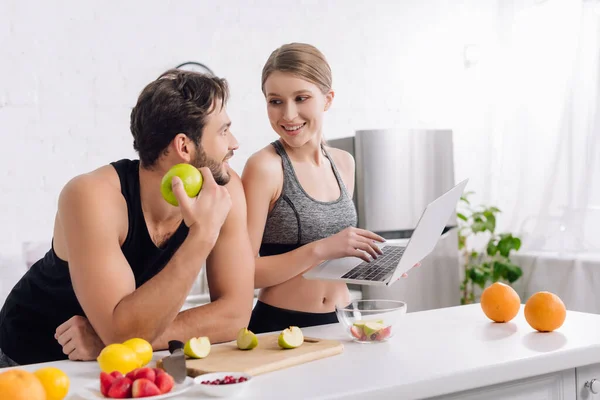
177 102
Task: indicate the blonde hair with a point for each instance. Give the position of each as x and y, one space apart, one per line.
302 60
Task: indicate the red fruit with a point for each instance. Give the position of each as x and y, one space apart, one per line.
116 374
356 332
144 388
106 381
120 389
145 373
164 382
382 334
131 374
159 371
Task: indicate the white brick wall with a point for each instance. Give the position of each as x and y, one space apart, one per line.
70 71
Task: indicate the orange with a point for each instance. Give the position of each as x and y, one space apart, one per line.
17 384
54 381
500 302
545 311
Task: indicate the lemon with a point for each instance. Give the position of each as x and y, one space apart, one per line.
55 382
142 348
118 357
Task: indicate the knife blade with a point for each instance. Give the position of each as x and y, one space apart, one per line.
175 363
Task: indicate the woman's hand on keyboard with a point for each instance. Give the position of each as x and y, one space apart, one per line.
351 242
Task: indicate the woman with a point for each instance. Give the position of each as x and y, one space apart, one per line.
299 195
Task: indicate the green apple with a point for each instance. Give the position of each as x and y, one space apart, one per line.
372 327
189 175
197 347
246 340
290 338
361 323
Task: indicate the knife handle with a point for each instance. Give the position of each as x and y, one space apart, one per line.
174 345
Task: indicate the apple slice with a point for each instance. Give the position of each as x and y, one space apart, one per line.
197 347
361 323
246 340
372 327
356 332
382 334
290 338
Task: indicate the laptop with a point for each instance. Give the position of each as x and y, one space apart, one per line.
395 260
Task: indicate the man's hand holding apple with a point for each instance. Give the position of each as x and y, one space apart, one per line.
205 213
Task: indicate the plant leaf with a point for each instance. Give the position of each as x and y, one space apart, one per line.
516 243
491 248
478 227
500 270
461 216
513 273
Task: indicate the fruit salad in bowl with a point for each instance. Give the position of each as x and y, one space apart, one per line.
371 321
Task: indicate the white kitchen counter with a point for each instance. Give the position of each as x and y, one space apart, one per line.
433 353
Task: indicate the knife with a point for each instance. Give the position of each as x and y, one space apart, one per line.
175 363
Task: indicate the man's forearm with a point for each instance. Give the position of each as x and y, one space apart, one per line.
219 320
148 311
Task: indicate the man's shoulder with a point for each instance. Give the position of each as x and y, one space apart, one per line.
101 184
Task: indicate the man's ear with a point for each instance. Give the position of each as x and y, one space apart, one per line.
329 99
182 146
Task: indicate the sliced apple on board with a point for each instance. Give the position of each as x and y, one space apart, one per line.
246 340
290 338
197 347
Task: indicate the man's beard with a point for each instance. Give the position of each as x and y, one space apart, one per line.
202 160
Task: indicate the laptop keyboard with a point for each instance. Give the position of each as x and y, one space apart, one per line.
379 269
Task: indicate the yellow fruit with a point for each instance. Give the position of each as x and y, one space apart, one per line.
142 348
118 357
500 302
545 311
55 382
17 384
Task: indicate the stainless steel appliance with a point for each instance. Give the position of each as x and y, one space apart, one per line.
398 172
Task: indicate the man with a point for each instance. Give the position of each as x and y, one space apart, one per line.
123 259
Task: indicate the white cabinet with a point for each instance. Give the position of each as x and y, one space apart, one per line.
555 386
572 384
586 384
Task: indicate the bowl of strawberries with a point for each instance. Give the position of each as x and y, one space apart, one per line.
146 382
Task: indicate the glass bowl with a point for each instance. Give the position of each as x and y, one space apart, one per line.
371 321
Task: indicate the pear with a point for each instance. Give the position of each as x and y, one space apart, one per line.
197 347
290 338
246 340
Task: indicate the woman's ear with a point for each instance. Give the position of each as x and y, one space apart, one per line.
329 99
182 146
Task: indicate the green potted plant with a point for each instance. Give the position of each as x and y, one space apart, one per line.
486 258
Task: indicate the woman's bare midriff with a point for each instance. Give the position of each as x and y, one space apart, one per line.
305 295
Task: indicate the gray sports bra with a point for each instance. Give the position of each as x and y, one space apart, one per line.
297 219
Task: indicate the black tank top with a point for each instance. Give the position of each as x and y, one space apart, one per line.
44 297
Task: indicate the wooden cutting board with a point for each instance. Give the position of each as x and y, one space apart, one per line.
266 357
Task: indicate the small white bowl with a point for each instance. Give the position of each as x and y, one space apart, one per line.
232 389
